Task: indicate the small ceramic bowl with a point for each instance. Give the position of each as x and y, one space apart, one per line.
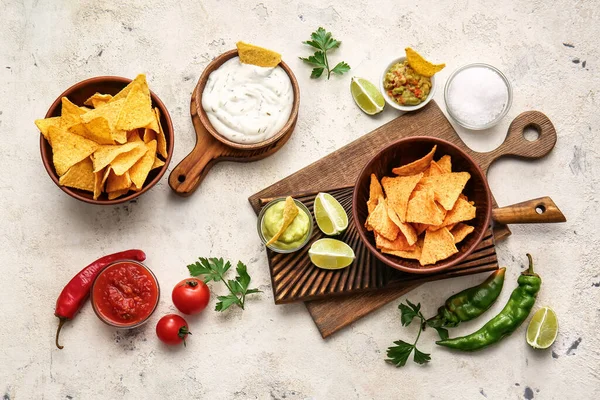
265 240
80 92
391 102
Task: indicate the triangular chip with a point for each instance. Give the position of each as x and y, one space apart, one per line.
447 187
462 211
124 161
398 191
414 254
381 223
104 155
70 114
445 164
417 166
419 228
290 211
84 109
79 176
137 111
140 170
68 149
115 182
149 135
155 121
433 170
421 65
158 163
110 112
97 130
98 182
407 230
251 54
423 209
98 100
375 192
399 243
134 136
44 124
438 245
461 231
117 193
122 95
161 145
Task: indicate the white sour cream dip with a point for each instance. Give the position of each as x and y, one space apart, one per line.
246 103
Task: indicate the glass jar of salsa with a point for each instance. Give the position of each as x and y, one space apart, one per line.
125 294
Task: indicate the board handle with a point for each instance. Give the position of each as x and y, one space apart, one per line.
516 145
542 210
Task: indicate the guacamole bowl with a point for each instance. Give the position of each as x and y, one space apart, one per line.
266 221
391 102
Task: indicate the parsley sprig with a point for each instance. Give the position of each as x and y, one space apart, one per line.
214 269
323 42
398 355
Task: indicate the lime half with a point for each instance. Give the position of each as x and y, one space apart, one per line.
330 215
331 254
366 96
542 329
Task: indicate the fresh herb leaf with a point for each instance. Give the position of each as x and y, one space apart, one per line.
407 314
420 357
323 42
226 301
442 332
398 355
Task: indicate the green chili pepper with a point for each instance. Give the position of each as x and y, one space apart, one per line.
510 318
470 303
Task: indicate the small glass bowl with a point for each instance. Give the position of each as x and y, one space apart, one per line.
122 325
272 246
467 124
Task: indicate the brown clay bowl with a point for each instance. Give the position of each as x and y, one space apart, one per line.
403 152
215 64
80 92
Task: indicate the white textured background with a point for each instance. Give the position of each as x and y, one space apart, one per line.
273 351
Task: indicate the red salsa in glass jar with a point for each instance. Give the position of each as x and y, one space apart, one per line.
125 294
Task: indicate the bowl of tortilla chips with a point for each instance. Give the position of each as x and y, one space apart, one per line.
421 205
106 140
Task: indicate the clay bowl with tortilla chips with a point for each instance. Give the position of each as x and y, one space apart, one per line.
109 85
393 162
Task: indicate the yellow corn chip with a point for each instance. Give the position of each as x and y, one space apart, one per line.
414 254
110 112
290 211
375 192
134 136
447 187
433 170
398 191
105 154
251 54
423 209
44 124
70 114
154 125
158 163
407 230
137 110
445 164
419 228
399 243
122 95
438 245
462 211
124 161
97 130
417 166
140 170
79 176
115 182
420 65
99 178
149 135
98 100
381 223
117 193
461 231
68 149
161 144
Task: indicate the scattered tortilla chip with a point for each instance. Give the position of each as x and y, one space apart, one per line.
44 124
68 149
290 211
414 254
398 191
137 110
161 144
447 187
462 211
381 223
158 163
116 183
117 193
461 231
407 230
122 95
70 114
140 170
420 65
124 161
105 154
79 176
445 164
438 245
97 130
149 135
433 170
251 54
423 209
98 100
417 166
375 192
399 243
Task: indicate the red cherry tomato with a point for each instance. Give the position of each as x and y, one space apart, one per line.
191 296
172 329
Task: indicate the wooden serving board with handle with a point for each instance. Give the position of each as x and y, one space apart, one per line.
341 168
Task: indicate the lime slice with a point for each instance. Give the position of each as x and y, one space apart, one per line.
366 96
330 215
542 329
331 254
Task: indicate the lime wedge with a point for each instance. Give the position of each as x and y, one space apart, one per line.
366 96
542 329
331 254
330 215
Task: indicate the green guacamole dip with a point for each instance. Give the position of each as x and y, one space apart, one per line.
405 86
294 235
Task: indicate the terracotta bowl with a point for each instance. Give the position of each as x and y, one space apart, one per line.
290 124
80 92
406 151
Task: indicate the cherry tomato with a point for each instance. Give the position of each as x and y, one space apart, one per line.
172 329
191 296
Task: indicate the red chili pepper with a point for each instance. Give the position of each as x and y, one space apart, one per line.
77 291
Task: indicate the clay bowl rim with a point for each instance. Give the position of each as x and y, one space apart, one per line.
46 150
441 265
289 125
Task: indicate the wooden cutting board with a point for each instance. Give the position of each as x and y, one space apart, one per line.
342 167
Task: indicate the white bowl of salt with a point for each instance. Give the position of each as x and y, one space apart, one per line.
477 96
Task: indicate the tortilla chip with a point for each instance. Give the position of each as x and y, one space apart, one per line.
375 192
105 154
417 166
44 124
140 170
158 163
134 136
398 191
149 135
110 112
462 211
98 100
122 95
124 161
117 193
438 245
414 254
399 243
381 223
407 230
97 130
137 110
461 231
99 178
79 176
447 187
290 211
251 54
433 170
423 209
68 149
116 183
421 65
445 164
70 114
419 228
161 145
